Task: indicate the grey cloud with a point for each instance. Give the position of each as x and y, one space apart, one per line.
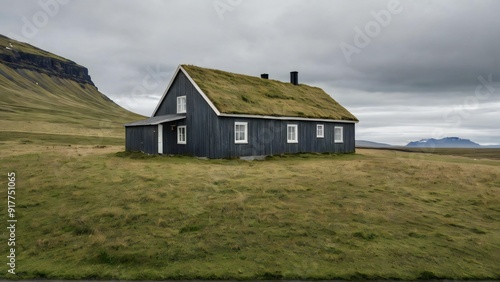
425 61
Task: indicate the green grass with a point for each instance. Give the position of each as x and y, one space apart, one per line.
243 94
58 139
100 213
474 153
25 48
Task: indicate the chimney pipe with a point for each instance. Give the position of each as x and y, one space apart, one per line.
294 77
264 76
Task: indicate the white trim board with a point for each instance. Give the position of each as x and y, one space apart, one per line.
180 68
166 91
287 118
200 91
156 120
160 138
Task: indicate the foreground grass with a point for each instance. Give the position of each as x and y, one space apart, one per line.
86 211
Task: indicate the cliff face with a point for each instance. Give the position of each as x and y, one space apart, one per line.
49 66
18 55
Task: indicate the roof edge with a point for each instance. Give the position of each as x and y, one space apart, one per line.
289 118
156 120
166 90
219 113
205 97
214 108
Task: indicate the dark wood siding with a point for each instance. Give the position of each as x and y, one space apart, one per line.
269 137
201 121
142 139
170 145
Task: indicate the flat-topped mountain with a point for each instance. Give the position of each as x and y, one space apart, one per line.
41 92
19 55
447 142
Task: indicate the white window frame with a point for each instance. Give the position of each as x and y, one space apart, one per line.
179 135
292 140
241 141
181 104
320 130
341 140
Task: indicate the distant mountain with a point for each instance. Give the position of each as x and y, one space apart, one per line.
370 144
447 142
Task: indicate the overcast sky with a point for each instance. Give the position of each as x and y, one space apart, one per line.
407 69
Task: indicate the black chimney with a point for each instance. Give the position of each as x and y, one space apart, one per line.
294 77
264 76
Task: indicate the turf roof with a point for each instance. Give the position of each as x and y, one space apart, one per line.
243 94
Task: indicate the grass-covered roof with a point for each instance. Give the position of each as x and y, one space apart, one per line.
243 94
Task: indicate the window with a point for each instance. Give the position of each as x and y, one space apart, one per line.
320 131
339 134
292 133
241 132
181 104
181 134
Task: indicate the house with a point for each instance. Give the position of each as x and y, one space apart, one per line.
217 114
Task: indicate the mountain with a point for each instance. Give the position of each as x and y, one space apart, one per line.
18 55
448 142
370 144
42 93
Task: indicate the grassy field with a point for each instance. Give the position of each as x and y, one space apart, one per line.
88 210
474 153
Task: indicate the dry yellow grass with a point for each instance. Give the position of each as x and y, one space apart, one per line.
87 212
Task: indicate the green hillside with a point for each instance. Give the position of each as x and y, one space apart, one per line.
35 100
